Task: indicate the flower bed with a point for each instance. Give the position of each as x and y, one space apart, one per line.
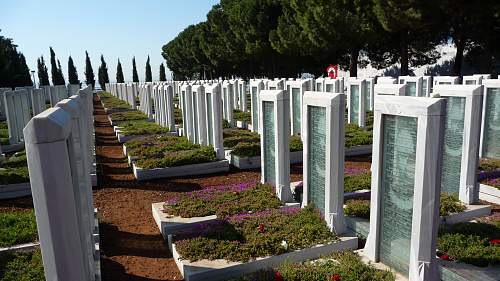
341 266
14 170
242 116
140 127
357 208
17 227
127 116
244 237
469 242
223 200
356 136
489 172
26 266
111 102
356 179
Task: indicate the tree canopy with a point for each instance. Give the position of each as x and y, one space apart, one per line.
72 74
89 72
102 74
119 73
13 69
135 77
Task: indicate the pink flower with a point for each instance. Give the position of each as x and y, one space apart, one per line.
335 277
261 228
445 257
495 241
277 276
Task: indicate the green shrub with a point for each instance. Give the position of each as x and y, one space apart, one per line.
111 102
355 136
22 266
128 116
449 204
223 201
242 116
357 182
156 146
296 143
178 116
489 165
225 124
4 133
244 149
17 228
14 175
179 158
247 236
17 160
232 137
357 208
471 242
141 127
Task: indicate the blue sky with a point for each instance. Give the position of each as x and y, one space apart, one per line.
115 28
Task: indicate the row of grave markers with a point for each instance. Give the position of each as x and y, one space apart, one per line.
421 146
59 147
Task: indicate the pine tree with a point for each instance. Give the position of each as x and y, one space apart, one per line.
72 73
89 72
135 77
60 73
102 75
57 79
163 75
119 73
149 75
43 75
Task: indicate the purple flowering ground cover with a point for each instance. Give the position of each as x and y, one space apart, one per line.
489 172
244 237
223 200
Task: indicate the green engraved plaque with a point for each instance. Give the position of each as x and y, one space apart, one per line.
195 118
209 119
397 190
296 111
354 104
491 141
255 109
269 148
185 124
424 87
452 148
411 89
329 88
368 92
317 156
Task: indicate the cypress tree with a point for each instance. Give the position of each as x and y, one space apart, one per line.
57 78
102 75
43 75
119 73
149 75
163 75
13 69
135 77
89 72
24 72
72 74
60 73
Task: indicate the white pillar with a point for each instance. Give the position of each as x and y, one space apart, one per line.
324 141
227 100
490 122
413 85
461 140
275 141
186 104
356 101
406 180
214 119
255 87
296 90
200 114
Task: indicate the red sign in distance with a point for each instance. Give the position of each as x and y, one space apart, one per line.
333 71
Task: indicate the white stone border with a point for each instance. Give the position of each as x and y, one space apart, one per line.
178 171
489 193
221 269
15 190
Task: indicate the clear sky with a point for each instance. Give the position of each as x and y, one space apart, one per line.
115 28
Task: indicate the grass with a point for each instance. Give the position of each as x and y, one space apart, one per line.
245 237
23 266
111 102
141 127
17 227
4 133
14 169
242 116
128 116
223 200
354 182
357 208
472 243
159 151
345 266
355 136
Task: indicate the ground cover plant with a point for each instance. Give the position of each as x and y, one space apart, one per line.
244 143
234 136
14 169
340 266
17 227
111 102
470 242
22 266
127 116
159 151
223 200
357 208
178 116
354 136
244 237
489 172
141 127
4 133
357 179
242 116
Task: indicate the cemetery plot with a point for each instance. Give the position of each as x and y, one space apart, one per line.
14 177
243 118
489 179
17 227
21 266
245 243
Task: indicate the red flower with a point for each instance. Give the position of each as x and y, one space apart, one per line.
261 228
335 277
495 241
445 257
277 276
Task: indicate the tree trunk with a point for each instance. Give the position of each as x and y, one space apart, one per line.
353 62
403 44
457 65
